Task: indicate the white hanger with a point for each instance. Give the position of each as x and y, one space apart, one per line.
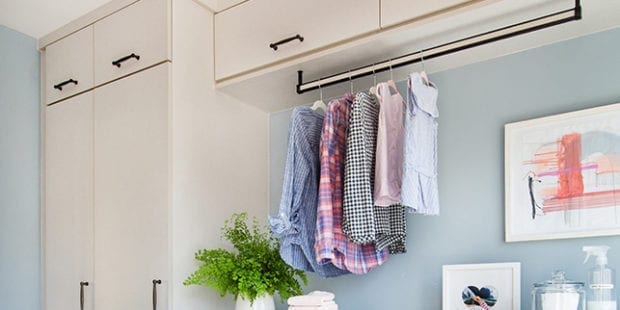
393 86
319 104
351 81
373 87
391 83
423 73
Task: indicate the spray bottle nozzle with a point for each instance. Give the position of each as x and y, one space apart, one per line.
599 251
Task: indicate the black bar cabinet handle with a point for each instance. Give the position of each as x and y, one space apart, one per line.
118 62
82 284
59 86
276 44
155 282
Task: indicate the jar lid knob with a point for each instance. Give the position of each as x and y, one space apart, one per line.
558 276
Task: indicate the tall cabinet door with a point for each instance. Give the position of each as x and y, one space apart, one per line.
69 203
131 190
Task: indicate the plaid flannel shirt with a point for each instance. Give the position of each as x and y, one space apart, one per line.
331 245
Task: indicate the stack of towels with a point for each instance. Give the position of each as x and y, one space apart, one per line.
316 300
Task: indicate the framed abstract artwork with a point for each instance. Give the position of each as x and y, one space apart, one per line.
474 286
562 175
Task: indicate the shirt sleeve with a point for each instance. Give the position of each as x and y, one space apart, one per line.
281 223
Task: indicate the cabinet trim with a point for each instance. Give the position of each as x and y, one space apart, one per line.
442 13
108 82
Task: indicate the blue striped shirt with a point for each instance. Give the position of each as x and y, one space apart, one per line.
295 223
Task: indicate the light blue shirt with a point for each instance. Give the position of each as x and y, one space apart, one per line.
419 190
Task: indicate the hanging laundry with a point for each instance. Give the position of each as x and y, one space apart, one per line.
390 135
358 211
365 223
419 190
331 245
295 223
390 215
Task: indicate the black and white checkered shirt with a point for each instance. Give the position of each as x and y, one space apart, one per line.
391 228
358 214
364 223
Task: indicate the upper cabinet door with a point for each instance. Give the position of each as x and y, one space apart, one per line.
399 11
244 33
69 65
68 213
132 39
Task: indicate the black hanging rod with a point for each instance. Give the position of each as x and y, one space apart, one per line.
498 34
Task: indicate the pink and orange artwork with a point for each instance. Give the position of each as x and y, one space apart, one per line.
563 175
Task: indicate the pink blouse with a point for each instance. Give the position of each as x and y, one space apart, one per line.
390 135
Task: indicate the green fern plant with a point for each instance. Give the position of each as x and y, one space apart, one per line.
252 270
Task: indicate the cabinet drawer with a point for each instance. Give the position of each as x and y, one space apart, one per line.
243 34
69 65
132 39
397 11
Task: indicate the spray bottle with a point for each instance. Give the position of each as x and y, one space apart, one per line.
601 280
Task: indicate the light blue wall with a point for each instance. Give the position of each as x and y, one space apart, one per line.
475 102
19 172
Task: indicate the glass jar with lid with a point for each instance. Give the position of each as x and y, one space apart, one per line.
558 294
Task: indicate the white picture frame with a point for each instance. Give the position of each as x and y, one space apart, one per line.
562 175
503 280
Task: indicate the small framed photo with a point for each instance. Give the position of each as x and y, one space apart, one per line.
563 175
482 286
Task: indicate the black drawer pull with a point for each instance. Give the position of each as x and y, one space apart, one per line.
59 86
82 284
155 282
275 45
118 62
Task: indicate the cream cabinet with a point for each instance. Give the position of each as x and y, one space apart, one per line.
131 190
69 66
108 192
131 39
68 217
247 35
107 197
127 41
107 165
395 12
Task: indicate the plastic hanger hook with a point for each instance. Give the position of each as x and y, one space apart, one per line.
319 104
423 73
373 87
351 81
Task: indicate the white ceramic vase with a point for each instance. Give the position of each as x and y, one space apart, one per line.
264 302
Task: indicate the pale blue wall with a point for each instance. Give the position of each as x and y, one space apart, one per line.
475 102
19 172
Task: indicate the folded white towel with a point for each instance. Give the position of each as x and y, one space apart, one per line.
323 304
327 295
308 303
316 298
325 307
